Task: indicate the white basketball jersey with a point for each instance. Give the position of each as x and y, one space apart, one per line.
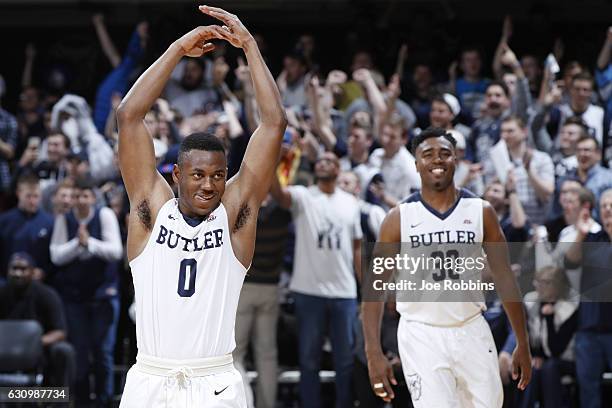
422 226
187 282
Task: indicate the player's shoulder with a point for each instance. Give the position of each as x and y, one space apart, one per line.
464 193
412 198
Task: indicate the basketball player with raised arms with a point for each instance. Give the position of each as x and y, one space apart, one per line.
447 350
189 255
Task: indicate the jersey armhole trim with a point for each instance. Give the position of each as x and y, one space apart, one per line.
140 255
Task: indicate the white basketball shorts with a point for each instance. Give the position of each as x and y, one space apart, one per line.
450 367
161 383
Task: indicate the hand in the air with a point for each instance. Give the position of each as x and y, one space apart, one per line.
233 30
195 43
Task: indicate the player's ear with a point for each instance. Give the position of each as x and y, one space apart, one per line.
176 173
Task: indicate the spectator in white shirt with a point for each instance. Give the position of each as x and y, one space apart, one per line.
327 254
395 162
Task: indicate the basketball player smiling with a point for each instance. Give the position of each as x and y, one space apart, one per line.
189 255
446 348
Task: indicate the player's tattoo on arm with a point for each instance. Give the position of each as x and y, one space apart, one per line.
244 213
144 214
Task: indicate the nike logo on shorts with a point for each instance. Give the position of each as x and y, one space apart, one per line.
219 392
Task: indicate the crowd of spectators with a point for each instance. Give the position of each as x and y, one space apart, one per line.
534 141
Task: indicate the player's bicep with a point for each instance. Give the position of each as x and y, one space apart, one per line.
492 231
390 229
494 243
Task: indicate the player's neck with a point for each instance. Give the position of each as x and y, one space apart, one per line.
192 217
441 201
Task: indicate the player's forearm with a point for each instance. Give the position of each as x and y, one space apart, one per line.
507 289
371 313
516 315
266 92
149 86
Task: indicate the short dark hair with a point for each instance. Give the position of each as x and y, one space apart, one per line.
366 127
199 62
586 196
588 137
573 179
501 84
428 134
66 139
85 184
516 119
200 141
28 178
439 98
577 120
583 76
297 56
471 48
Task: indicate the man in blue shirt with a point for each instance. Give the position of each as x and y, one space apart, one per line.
26 227
471 87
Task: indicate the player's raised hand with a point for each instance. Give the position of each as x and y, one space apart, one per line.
521 364
195 43
233 30
381 377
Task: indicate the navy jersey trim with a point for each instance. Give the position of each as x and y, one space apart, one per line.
192 222
463 193
412 198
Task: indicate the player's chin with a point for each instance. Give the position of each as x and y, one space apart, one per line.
441 184
204 203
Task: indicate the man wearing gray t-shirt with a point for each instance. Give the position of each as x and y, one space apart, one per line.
327 253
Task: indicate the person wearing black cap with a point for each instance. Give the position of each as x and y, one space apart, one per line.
28 299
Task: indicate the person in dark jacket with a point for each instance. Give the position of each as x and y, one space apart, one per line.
26 299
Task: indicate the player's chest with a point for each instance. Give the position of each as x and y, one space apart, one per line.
171 238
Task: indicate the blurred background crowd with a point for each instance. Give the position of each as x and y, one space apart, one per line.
531 113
